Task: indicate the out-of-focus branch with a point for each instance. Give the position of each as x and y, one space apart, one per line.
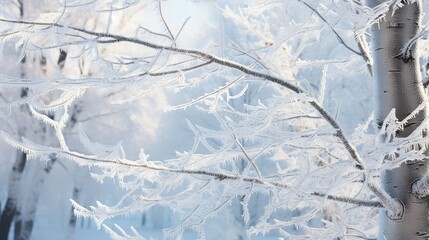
340 39
157 74
250 56
247 155
164 22
154 74
363 48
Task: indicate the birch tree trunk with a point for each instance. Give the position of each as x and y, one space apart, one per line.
29 205
11 210
399 86
14 188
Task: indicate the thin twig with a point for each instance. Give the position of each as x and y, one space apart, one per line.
363 46
181 28
163 20
247 155
156 74
349 200
247 54
155 33
153 74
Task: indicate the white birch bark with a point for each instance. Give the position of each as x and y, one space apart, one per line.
399 86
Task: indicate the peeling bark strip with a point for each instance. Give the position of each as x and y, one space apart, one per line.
399 86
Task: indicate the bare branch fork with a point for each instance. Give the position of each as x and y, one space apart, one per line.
224 62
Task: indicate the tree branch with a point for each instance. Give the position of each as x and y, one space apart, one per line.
154 74
224 62
366 55
157 74
217 176
395 209
163 21
350 200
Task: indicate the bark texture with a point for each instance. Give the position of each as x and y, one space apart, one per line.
399 86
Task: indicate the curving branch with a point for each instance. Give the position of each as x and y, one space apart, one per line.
221 61
164 22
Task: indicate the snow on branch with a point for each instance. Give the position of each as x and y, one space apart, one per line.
125 235
286 147
221 61
395 209
34 149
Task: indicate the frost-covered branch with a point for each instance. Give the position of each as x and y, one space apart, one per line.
156 74
395 209
125 235
339 133
37 150
365 50
161 14
270 156
217 176
350 200
224 62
